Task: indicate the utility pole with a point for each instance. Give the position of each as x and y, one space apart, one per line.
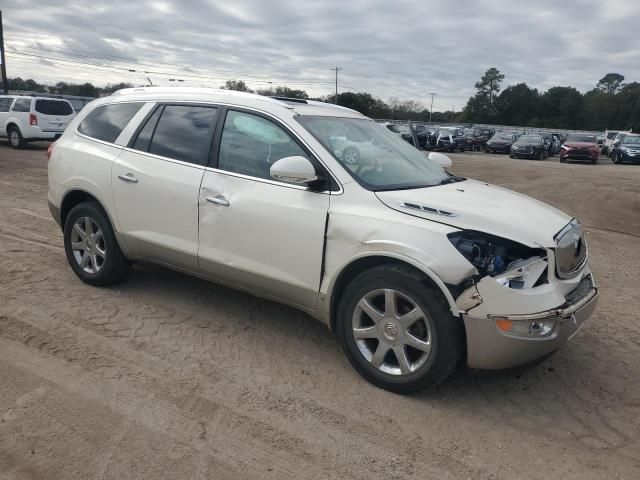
3 67
433 94
337 69
453 113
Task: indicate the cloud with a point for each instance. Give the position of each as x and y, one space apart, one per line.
389 48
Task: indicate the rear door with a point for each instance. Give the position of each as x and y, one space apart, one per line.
156 181
53 115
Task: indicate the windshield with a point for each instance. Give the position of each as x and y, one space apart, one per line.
610 135
502 136
529 139
635 140
394 128
582 138
375 157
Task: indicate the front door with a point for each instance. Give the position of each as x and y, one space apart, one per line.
254 232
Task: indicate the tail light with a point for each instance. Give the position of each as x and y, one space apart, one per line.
50 150
33 120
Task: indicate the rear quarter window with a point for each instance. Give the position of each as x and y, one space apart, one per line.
5 104
54 107
22 105
107 121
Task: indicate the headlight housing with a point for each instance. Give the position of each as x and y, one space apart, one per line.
512 264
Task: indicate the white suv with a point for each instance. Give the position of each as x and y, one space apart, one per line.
415 269
23 118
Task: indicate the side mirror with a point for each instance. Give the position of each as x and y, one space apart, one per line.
440 159
297 169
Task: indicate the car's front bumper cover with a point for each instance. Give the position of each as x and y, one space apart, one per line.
490 348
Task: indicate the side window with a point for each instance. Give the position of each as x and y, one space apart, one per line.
5 104
184 133
22 105
107 122
144 137
251 144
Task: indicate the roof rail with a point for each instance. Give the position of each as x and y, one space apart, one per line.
290 99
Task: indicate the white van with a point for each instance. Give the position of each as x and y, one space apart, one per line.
26 118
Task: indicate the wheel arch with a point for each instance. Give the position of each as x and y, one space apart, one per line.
75 197
375 259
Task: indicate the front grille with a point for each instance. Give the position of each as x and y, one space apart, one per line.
571 250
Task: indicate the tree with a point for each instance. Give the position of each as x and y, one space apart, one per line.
283 92
237 85
611 83
481 108
517 105
560 107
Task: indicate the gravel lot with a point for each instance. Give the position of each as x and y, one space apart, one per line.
167 376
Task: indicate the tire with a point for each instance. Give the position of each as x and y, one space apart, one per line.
540 155
563 160
433 323
16 140
617 158
104 262
351 155
511 156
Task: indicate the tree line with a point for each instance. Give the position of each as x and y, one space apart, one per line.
612 103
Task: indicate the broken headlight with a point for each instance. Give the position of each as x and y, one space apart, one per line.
512 264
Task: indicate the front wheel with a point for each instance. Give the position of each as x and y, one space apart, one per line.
396 331
91 246
617 157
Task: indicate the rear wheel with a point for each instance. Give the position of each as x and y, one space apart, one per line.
91 246
397 332
15 138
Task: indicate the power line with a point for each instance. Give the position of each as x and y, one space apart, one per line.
128 60
205 78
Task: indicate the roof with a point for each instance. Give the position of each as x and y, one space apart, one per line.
260 102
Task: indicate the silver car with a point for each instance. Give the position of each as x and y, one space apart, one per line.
416 270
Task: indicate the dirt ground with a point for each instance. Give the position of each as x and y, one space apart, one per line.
167 376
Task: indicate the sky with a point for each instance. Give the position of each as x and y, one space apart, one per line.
390 48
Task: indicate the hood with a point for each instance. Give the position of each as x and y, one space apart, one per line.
487 208
500 142
580 145
526 144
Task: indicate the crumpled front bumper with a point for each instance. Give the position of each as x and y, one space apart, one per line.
488 347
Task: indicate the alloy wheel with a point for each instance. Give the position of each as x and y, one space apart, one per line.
391 332
14 137
87 243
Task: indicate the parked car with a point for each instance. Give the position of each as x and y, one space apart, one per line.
500 143
529 146
616 141
558 141
579 146
404 130
24 119
414 269
477 137
627 149
610 136
550 144
447 139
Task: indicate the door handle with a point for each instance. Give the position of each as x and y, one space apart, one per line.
218 200
129 177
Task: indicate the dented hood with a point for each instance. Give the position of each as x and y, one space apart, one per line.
475 205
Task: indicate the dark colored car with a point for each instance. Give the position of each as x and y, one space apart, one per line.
529 146
404 130
448 139
550 143
559 140
500 143
477 137
580 146
627 150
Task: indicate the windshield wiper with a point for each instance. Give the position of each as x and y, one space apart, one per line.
452 179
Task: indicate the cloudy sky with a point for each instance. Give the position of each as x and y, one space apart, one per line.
389 48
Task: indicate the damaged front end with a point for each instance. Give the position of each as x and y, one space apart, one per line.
518 307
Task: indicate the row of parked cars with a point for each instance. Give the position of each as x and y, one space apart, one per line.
620 146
